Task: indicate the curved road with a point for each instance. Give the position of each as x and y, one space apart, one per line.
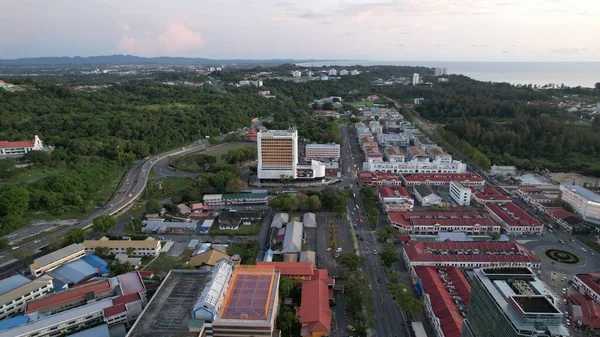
131 187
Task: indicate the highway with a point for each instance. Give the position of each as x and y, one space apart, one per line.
131 187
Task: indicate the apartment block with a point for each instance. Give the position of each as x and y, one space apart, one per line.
57 258
460 193
514 220
277 154
150 246
16 291
584 202
322 151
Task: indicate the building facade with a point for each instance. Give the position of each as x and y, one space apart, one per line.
322 151
415 79
584 202
56 259
514 220
460 193
395 199
148 247
432 223
20 148
415 166
21 290
466 179
277 154
588 284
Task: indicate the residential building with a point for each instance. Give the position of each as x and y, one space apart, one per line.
585 202
514 220
322 152
466 179
277 154
292 241
298 271
148 247
57 258
427 196
394 154
296 73
379 179
414 166
511 302
446 293
17 290
440 71
392 139
497 170
395 199
314 312
438 155
375 127
424 143
566 220
20 148
159 226
588 284
343 72
354 72
206 226
332 72
251 135
417 154
234 199
489 194
207 259
418 101
257 83
433 223
415 79
467 254
309 220
280 219
460 193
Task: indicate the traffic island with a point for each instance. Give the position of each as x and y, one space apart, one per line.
563 256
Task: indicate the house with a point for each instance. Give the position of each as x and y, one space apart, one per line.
233 219
314 312
184 209
395 198
309 220
208 259
292 241
426 196
148 247
20 148
280 219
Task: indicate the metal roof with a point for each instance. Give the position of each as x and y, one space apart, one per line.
97 331
12 283
58 255
292 241
25 289
214 290
10 323
74 272
584 192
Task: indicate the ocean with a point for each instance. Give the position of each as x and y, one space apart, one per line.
572 74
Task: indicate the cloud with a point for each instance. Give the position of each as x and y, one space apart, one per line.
312 15
479 45
401 45
175 39
506 51
568 50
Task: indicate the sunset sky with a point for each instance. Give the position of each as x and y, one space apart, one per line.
402 30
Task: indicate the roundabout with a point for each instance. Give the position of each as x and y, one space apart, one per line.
562 256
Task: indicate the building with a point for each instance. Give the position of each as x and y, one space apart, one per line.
489 194
159 226
206 226
79 270
392 139
588 284
379 179
566 220
277 154
585 202
415 79
460 194
496 170
309 220
147 247
308 256
235 199
511 302
296 73
292 241
533 195
432 223
322 152
446 293
17 290
354 72
207 259
332 72
314 312
427 196
233 219
258 83
514 220
72 298
415 166
20 148
57 258
343 72
298 271
280 219
395 199
394 154
438 155
424 143
585 310
466 179
468 254
440 71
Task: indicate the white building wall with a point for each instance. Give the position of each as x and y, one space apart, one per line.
460 193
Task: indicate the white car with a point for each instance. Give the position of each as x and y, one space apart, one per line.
329 249
583 249
338 249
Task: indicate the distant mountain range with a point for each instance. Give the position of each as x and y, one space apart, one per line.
130 59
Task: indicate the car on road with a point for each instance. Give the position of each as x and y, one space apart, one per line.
350 328
329 249
379 280
37 241
338 250
583 249
15 247
564 290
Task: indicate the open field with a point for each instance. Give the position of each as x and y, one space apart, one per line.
170 187
569 177
219 152
32 174
359 104
164 263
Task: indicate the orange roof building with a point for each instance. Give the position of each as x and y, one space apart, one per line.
314 312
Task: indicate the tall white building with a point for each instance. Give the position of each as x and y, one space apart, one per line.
415 79
583 201
309 73
354 72
332 72
257 83
344 72
460 193
277 154
440 71
296 73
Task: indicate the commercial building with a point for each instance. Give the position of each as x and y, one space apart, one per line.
466 179
432 223
514 220
393 154
277 154
533 195
424 143
415 166
150 246
314 312
17 290
588 284
159 226
489 194
415 79
395 199
57 258
496 170
446 293
511 302
468 254
235 199
427 196
72 298
379 179
460 193
20 148
566 220
585 310
322 151
584 202
292 241
392 139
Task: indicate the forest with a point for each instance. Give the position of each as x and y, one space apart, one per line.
511 125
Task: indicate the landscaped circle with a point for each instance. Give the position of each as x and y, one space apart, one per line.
562 256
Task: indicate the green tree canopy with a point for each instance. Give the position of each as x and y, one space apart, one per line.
75 235
104 223
153 206
351 261
389 256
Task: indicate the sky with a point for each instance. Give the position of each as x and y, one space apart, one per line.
386 30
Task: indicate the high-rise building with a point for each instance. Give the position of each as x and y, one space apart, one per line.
511 302
296 73
584 202
277 154
332 72
345 72
440 71
415 79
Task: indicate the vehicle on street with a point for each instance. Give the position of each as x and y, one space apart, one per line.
15 247
350 328
583 249
338 249
564 290
37 241
563 278
329 249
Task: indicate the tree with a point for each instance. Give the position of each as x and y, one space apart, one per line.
133 227
14 200
385 233
103 223
403 296
303 202
334 199
118 268
101 251
3 244
75 235
7 167
23 254
285 287
130 251
389 256
38 157
314 203
351 261
287 321
284 202
171 208
327 106
235 185
153 206
495 235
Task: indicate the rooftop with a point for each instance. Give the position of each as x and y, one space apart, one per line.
591 280
584 192
12 283
490 193
277 133
149 243
57 255
68 296
393 191
393 151
24 289
322 146
209 257
4 144
314 304
291 268
422 177
444 218
566 216
414 151
513 215
424 190
249 293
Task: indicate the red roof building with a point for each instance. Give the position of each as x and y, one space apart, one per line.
380 179
123 307
430 223
297 270
446 295
585 310
467 179
468 254
565 219
8 148
251 135
514 220
72 298
489 194
395 199
314 312
588 284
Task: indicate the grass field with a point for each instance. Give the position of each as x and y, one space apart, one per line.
219 152
243 230
164 263
32 175
237 248
359 104
171 186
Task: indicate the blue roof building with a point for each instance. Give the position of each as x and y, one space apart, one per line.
96 262
12 283
10 323
97 331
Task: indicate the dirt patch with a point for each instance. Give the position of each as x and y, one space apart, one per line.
569 177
